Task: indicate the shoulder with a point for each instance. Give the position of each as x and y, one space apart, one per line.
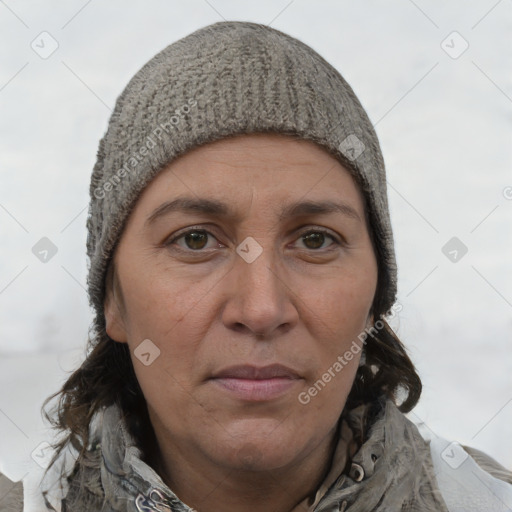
490 465
470 480
11 495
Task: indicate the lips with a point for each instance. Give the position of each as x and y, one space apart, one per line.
256 384
249 372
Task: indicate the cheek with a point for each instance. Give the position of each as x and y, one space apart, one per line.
336 315
175 310
159 301
341 302
173 317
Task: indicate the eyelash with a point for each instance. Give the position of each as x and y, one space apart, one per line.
200 229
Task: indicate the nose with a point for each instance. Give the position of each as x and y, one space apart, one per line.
259 301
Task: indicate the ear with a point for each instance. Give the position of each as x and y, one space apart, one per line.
114 319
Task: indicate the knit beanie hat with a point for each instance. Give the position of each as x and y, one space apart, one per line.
226 79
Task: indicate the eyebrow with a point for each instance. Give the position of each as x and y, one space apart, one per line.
302 208
222 210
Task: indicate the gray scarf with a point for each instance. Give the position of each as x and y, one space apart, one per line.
390 472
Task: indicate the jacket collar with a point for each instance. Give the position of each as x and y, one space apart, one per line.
391 471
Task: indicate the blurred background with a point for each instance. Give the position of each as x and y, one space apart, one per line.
435 80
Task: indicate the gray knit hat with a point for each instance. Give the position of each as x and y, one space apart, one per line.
225 79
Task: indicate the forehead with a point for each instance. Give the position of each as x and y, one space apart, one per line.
272 169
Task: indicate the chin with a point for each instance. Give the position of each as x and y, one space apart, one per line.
252 456
258 445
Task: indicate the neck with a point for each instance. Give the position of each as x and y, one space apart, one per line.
207 487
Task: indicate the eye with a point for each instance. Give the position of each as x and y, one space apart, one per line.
315 239
194 239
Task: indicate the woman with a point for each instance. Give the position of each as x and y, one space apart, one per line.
242 269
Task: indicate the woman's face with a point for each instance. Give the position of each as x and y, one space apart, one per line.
245 275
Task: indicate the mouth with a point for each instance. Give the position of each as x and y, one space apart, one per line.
256 384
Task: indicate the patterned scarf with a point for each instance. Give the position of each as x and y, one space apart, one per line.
381 464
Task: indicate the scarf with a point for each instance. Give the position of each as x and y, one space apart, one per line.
381 463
